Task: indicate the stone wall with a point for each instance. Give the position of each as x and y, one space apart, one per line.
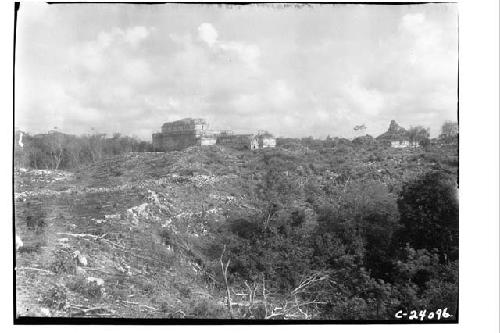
267 141
404 144
238 141
183 133
189 132
184 126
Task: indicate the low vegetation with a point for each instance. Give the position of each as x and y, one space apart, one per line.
313 229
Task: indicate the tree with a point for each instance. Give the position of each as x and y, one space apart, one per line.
428 207
449 129
56 149
418 134
95 146
449 132
362 222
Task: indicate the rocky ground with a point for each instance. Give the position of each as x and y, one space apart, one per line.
124 237
94 242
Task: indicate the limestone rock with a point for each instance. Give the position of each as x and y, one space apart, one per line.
45 312
80 259
98 281
80 271
19 242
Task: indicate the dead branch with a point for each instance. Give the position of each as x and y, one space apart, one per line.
224 274
34 269
308 281
251 292
84 310
139 304
264 293
81 235
287 312
98 270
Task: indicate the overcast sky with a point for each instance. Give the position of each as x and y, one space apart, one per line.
295 71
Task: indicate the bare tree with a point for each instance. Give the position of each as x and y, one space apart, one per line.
55 146
224 274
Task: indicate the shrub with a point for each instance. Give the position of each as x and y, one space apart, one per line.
452 161
206 308
89 289
429 214
55 298
63 263
363 220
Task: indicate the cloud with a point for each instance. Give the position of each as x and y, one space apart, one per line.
413 22
136 34
207 33
369 102
132 36
295 73
245 52
280 94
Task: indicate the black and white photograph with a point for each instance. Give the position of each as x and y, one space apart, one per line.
236 163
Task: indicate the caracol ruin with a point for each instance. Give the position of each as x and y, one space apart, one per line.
189 132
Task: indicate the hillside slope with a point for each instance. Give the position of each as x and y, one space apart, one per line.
132 235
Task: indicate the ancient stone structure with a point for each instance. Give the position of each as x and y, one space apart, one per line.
189 132
246 141
238 141
266 140
397 137
183 133
404 144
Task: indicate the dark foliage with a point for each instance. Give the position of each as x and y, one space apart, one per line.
429 214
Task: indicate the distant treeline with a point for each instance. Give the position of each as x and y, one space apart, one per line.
448 135
56 150
60 151
313 143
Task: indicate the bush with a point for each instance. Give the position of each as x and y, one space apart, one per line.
63 263
429 214
89 289
452 161
363 222
55 298
206 308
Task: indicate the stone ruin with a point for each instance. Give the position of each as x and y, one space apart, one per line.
189 132
183 133
398 137
246 141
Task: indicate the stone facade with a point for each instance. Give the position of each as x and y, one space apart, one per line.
246 141
266 140
183 133
404 144
399 137
238 141
189 132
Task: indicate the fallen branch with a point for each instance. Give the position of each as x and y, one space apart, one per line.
84 310
144 305
34 269
308 281
81 235
98 270
286 312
